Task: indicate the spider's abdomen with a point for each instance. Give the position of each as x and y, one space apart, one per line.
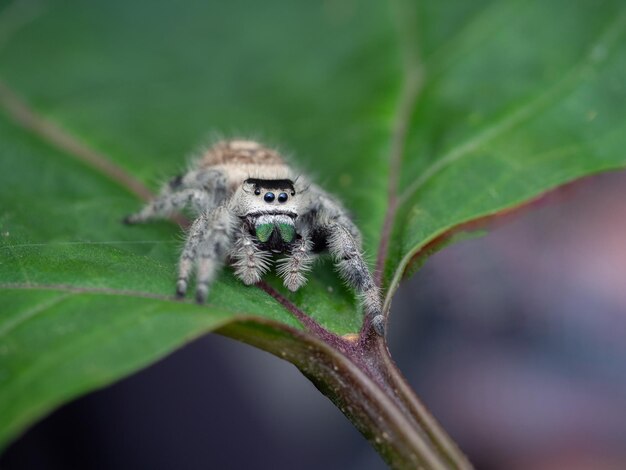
242 159
243 152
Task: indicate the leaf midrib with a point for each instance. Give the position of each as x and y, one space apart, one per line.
23 317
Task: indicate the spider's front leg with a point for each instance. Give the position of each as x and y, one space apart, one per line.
330 224
200 189
208 243
346 251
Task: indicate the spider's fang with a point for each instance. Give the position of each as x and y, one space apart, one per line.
287 232
264 232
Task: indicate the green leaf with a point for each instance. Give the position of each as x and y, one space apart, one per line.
519 97
472 108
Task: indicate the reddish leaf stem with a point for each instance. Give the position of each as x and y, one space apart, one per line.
69 144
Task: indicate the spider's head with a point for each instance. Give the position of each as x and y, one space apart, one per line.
271 208
276 196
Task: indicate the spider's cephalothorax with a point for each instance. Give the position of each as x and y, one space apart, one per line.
251 210
269 209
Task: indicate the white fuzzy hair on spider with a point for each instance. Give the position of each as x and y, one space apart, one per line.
251 210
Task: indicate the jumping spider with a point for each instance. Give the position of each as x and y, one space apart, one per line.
251 209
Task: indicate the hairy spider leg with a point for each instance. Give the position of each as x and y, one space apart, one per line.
327 217
200 190
208 244
248 260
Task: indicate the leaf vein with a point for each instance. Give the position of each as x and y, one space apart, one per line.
10 325
522 114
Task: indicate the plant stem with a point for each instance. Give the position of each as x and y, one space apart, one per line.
363 382
401 390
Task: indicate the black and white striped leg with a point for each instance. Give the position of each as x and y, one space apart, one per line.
207 246
199 189
346 252
166 204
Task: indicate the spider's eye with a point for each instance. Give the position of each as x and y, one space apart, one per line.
282 197
269 197
293 193
257 191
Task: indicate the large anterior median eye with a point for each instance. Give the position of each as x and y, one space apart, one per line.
269 197
282 197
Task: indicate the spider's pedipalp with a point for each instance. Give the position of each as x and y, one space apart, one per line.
294 268
250 262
